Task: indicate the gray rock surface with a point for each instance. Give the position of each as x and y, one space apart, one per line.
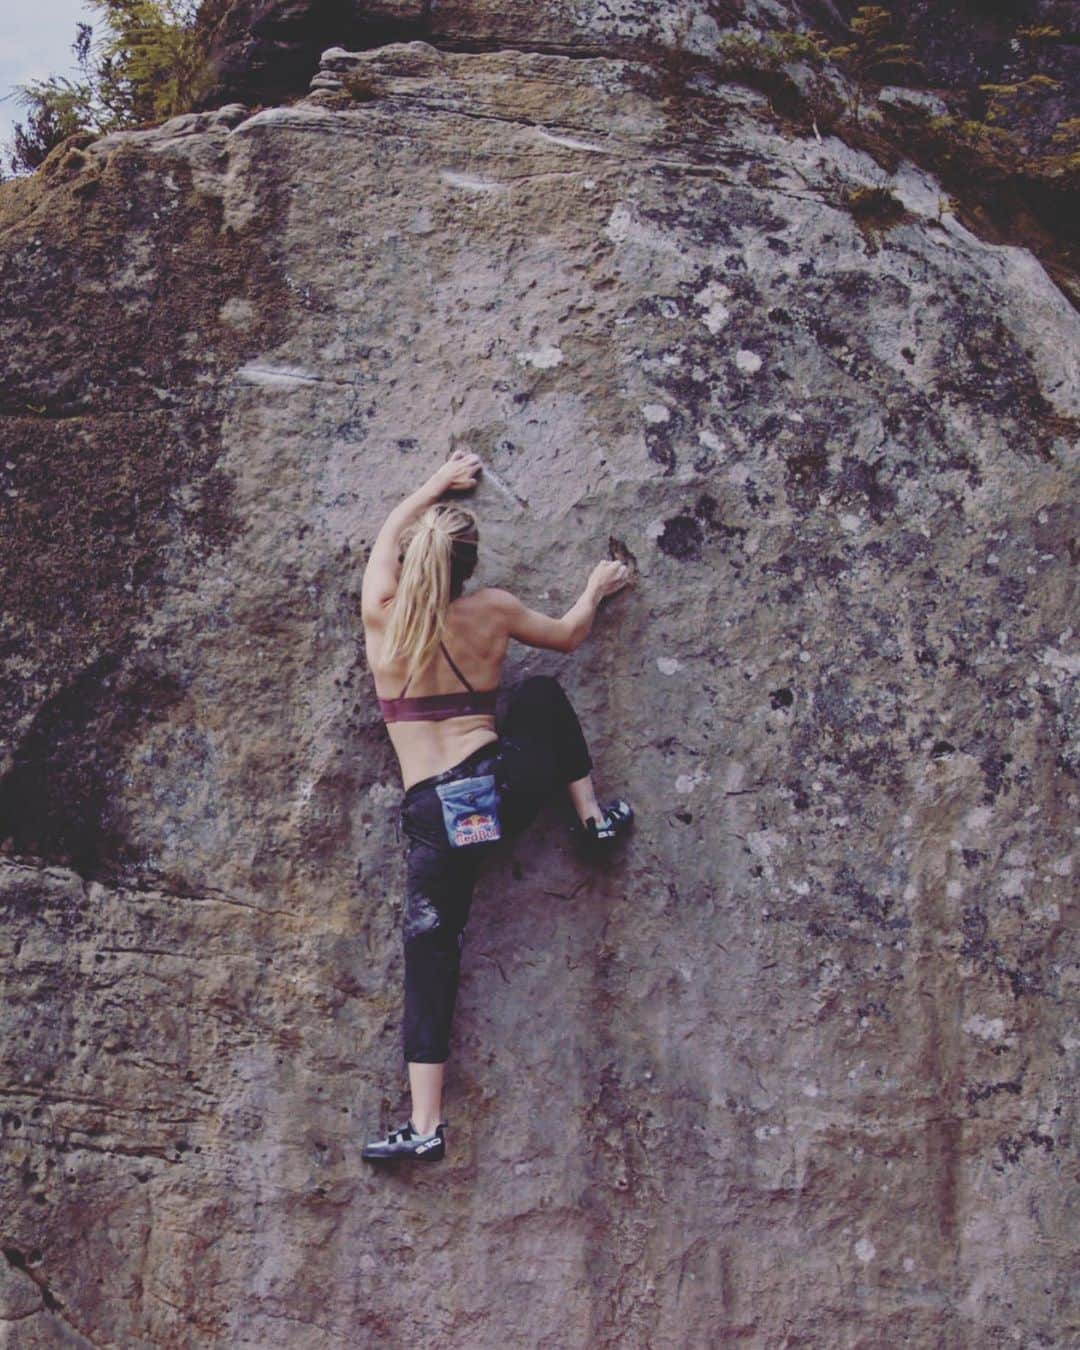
799 1068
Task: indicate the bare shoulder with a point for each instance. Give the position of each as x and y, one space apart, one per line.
495 598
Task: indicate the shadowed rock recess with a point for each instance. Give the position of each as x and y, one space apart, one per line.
798 1068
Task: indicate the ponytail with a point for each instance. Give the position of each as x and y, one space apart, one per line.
439 556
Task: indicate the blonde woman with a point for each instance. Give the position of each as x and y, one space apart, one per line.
436 654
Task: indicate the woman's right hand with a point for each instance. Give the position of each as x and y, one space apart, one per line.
608 577
459 472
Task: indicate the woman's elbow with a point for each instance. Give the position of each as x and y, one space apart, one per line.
573 638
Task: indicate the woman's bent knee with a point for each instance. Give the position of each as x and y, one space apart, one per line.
540 691
541 684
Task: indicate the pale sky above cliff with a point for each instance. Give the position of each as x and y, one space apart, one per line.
35 42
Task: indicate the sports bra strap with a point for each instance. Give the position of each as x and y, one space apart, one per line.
453 667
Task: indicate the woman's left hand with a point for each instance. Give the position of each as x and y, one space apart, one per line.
460 471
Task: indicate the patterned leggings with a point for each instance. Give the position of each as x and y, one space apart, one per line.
540 748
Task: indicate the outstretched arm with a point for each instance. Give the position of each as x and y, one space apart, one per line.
384 565
569 632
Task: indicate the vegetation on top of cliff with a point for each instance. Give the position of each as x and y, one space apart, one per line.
145 66
871 56
1007 151
1010 164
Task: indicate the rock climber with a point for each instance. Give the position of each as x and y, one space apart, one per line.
436 653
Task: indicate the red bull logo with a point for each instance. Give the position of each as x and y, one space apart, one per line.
476 829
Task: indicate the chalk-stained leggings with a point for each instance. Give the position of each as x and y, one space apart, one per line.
540 748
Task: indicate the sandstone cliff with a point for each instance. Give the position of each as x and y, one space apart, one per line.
798 1069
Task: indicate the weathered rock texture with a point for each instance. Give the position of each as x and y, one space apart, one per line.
797 1070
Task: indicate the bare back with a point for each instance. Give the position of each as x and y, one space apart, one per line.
476 637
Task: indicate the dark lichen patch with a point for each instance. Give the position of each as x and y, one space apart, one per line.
982 363
781 698
875 763
661 438
713 214
1025 979
113 446
61 797
806 476
985 1091
93 504
682 538
1013 1147
995 767
684 535
805 573
858 480
877 907
1065 709
727 536
1023 975
800 797
757 499
847 350
899 549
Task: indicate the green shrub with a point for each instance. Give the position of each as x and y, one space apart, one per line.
1017 105
871 56
744 50
145 66
1035 33
57 109
875 206
1067 138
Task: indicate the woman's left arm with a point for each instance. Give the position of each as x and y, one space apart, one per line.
384 565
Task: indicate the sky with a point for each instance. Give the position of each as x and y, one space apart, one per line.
35 42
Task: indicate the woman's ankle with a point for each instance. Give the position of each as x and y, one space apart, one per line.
583 798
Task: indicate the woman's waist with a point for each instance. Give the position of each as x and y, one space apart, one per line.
457 761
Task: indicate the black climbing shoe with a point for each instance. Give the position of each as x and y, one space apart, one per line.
615 822
406 1143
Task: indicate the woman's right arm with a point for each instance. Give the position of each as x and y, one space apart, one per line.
384 565
569 632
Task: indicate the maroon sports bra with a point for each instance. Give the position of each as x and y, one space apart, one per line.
438 707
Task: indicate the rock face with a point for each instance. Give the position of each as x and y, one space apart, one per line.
798 1068
264 48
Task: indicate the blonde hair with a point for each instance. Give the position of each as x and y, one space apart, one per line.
439 557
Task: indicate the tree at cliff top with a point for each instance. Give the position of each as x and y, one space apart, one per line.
872 56
142 69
